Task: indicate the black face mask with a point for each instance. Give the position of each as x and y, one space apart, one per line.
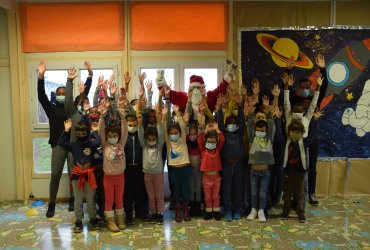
82 139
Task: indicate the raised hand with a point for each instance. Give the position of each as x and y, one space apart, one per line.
190 94
266 101
112 88
123 101
290 62
175 108
100 81
81 87
72 73
288 80
320 61
142 78
87 65
149 85
317 114
67 125
164 114
319 79
111 79
105 85
42 68
127 78
238 99
102 108
255 86
161 93
276 90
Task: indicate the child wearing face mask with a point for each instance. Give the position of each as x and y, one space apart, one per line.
178 162
83 179
152 140
232 154
195 174
113 140
297 112
261 136
73 107
210 144
295 166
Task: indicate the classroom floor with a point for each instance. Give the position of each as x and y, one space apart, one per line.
336 224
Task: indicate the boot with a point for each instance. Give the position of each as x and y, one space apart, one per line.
109 217
186 212
178 212
119 219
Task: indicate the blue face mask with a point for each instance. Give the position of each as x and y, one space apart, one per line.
60 99
260 134
175 137
232 128
210 145
306 92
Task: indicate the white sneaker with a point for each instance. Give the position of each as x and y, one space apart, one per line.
252 215
261 215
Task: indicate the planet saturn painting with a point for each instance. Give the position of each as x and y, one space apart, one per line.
283 48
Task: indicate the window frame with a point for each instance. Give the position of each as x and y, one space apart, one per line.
57 64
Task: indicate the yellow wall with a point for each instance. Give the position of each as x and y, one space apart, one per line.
7 162
15 92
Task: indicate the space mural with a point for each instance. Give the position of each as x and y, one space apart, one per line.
344 130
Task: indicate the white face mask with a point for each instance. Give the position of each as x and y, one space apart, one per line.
297 116
113 140
151 143
196 96
132 129
232 128
60 98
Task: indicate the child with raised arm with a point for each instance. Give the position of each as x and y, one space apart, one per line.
83 178
210 144
178 162
113 140
152 140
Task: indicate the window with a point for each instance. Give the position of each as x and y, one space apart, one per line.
210 77
56 75
53 79
169 75
97 73
42 156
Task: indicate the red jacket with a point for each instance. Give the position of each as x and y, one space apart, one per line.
211 159
180 98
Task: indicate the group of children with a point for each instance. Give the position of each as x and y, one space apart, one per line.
217 151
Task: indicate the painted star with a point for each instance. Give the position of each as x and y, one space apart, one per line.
349 96
317 37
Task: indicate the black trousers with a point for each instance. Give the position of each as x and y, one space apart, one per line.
99 194
135 195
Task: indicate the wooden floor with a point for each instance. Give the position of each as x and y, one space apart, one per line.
336 224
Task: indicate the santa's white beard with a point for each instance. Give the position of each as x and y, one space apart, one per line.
196 97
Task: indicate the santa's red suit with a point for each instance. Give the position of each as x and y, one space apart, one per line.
180 98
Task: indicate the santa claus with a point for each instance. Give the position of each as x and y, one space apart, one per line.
197 89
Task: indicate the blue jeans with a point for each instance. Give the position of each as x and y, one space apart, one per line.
232 185
180 178
259 188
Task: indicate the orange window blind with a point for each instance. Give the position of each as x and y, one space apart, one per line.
178 25
52 27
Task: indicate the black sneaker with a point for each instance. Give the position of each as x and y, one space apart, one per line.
159 218
217 216
71 205
153 218
129 219
207 215
312 200
51 210
284 216
94 224
302 218
78 227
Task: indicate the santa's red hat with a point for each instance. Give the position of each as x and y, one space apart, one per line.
196 81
